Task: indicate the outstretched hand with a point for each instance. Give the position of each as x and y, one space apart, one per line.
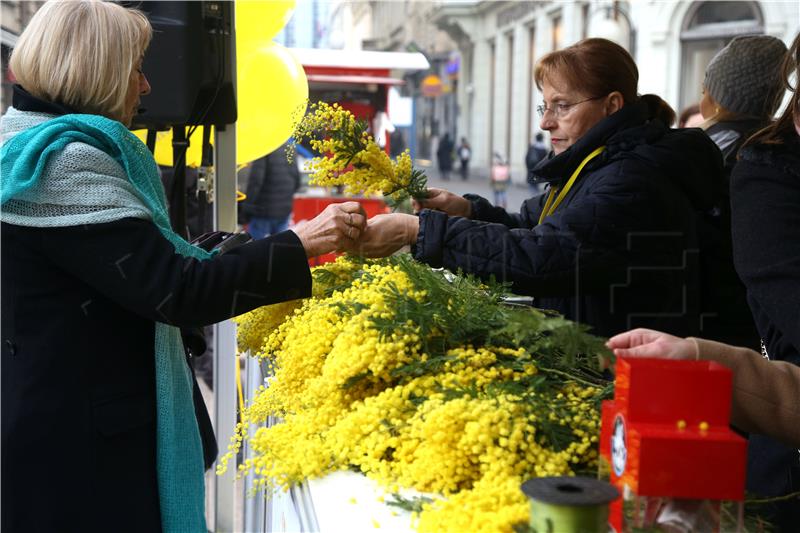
445 201
385 234
336 229
649 343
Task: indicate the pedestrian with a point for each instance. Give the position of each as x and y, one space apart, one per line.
464 155
537 152
444 156
500 179
765 202
623 207
381 125
97 397
271 184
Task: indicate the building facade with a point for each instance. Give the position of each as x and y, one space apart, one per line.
15 16
500 42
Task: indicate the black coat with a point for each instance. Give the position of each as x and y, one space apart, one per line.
271 185
765 202
444 154
621 250
79 306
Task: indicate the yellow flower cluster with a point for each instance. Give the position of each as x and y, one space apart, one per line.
463 424
351 158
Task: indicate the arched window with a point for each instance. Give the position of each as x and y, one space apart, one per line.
707 28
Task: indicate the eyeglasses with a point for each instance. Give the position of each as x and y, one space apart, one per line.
560 110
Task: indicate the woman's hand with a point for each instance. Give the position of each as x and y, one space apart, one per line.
337 228
648 343
385 234
445 201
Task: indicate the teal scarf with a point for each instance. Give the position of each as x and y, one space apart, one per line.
24 159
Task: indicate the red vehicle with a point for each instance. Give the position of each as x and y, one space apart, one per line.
358 80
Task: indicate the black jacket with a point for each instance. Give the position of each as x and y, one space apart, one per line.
621 250
271 185
765 201
79 306
765 195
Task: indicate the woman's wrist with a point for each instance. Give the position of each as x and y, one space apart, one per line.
468 209
412 229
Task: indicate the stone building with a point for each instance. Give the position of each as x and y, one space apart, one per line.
499 43
15 15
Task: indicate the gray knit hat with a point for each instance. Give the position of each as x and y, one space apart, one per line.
745 76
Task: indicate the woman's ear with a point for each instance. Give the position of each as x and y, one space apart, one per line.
614 102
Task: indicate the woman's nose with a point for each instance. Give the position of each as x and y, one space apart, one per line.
144 85
547 122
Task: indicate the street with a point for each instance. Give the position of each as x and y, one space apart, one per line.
477 183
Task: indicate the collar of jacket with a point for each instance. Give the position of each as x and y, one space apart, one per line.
25 101
784 155
612 131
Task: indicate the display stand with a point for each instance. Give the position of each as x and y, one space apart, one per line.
224 333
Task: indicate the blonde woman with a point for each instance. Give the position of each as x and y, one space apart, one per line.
99 431
740 91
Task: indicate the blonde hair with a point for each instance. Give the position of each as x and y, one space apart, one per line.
720 115
81 53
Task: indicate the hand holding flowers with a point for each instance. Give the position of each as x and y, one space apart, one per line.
444 201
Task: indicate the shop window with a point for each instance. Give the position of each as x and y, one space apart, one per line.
707 28
556 32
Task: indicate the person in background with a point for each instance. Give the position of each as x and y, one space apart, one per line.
464 155
765 221
740 90
271 183
623 207
740 94
537 152
500 178
444 156
381 125
690 117
764 392
397 142
97 396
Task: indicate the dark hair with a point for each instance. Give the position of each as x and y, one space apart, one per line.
599 67
784 127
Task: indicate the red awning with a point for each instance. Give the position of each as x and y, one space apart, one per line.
354 79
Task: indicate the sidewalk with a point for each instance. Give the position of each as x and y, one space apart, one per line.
477 183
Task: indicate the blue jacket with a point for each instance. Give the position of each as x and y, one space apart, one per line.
623 248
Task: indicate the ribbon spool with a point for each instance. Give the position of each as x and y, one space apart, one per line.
574 504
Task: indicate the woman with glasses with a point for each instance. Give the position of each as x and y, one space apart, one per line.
613 242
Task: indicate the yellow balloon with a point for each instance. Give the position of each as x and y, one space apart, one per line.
272 94
163 152
261 20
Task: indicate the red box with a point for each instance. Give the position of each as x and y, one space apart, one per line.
666 433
